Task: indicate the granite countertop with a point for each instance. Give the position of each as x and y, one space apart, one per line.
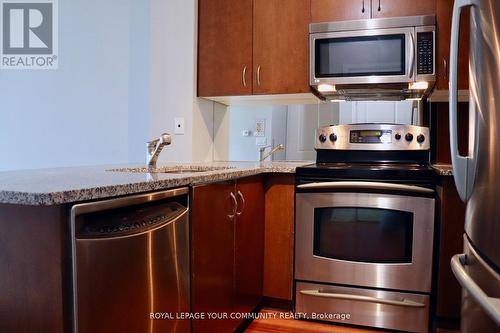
45 187
443 169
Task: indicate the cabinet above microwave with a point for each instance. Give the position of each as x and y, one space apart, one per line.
387 58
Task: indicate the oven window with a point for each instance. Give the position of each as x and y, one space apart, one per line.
363 234
360 56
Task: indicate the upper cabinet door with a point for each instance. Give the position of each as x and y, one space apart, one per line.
339 10
444 11
391 8
281 46
224 47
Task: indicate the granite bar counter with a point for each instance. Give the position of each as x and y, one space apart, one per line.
443 169
46 187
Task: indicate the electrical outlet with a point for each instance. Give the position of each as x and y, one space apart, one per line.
260 127
179 126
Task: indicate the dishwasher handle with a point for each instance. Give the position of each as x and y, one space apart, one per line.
137 199
128 215
148 220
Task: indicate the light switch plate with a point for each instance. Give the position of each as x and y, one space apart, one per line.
179 126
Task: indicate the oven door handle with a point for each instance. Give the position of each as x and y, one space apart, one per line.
360 298
364 185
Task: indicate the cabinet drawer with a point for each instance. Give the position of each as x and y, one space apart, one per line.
367 307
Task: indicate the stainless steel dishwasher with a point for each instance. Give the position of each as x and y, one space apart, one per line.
131 264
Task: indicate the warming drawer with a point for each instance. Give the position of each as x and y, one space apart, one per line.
367 307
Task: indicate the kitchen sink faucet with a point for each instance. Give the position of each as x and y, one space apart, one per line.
263 156
155 147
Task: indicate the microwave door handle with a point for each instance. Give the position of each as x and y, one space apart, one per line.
412 57
364 185
459 163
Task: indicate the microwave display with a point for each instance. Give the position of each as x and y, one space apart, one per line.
370 136
360 56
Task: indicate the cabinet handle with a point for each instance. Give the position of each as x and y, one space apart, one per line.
235 206
244 78
445 65
379 8
363 9
258 75
242 203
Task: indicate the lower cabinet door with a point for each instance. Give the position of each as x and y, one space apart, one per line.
249 244
212 256
227 252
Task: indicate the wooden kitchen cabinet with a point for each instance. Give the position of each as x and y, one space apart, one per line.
279 237
249 244
34 264
224 47
452 219
212 256
392 8
343 10
339 10
253 47
444 11
281 48
227 251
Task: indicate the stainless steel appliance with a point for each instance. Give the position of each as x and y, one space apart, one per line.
365 227
477 176
375 59
131 263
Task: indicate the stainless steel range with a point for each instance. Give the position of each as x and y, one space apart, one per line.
365 227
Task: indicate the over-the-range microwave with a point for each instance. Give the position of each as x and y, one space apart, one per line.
374 59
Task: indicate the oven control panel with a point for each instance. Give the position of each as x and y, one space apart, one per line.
373 137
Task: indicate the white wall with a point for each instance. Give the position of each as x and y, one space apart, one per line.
241 118
173 82
302 122
399 112
127 68
93 109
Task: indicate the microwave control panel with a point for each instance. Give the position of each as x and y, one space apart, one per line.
425 52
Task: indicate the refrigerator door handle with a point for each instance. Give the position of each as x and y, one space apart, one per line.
460 163
491 305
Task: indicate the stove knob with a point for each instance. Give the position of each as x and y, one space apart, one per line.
333 137
420 138
409 137
322 138
398 136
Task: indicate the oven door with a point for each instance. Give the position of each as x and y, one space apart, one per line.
365 239
360 57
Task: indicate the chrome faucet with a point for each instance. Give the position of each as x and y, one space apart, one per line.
263 156
155 147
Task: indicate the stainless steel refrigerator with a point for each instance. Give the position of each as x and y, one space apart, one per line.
477 175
